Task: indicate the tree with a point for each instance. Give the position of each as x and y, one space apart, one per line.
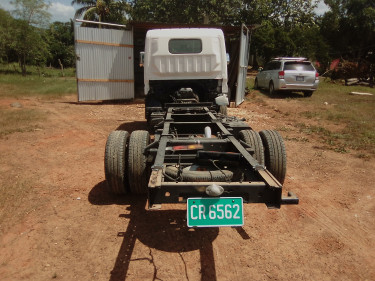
349 27
285 13
111 11
6 31
28 42
188 11
60 38
288 28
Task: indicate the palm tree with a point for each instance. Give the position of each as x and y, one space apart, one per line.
101 10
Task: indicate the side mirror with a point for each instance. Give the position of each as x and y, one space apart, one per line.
141 59
228 58
260 69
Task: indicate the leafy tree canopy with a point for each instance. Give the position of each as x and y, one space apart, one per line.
112 11
60 38
349 27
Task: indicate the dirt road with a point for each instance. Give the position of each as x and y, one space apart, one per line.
63 224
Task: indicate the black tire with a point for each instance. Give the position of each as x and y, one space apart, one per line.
271 89
199 176
115 161
275 153
256 86
253 139
223 109
307 94
138 172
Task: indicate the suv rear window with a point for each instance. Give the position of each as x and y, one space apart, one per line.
185 46
299 66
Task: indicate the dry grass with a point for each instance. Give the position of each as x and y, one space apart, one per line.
21 120
353 117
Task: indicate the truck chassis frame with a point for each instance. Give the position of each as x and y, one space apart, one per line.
181 126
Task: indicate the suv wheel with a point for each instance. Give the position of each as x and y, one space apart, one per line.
271 89
256 87
307 94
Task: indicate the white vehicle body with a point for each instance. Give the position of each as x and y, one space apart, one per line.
163 62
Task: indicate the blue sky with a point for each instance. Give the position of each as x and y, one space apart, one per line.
62 10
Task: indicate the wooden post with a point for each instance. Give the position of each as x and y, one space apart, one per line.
62 67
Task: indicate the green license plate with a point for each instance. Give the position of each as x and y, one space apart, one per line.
206 212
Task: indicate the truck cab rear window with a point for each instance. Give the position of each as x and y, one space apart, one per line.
185 46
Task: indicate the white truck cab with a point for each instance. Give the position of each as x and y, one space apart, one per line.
187 64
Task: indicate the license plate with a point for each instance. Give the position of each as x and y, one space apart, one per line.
300 78
211 212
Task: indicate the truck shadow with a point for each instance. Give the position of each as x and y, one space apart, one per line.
163 230
132 126
137 101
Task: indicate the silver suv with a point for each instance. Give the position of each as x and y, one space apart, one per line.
288 74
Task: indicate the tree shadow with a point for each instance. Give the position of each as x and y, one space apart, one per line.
163 230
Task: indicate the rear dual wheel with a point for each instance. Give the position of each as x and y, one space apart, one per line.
253 139
125 162
138 170
275 153
269 150
115 161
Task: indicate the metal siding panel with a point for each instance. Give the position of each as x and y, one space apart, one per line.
105 91
103 62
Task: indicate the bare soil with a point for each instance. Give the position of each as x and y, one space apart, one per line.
63 224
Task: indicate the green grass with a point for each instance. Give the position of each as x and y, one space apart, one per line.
356 114
50 83
346 122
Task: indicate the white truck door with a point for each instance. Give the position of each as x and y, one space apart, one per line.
242 66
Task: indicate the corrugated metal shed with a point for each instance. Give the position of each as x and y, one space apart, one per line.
105 63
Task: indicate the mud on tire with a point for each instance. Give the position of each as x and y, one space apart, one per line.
115 161
275 153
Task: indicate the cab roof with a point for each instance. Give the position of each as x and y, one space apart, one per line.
185 33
